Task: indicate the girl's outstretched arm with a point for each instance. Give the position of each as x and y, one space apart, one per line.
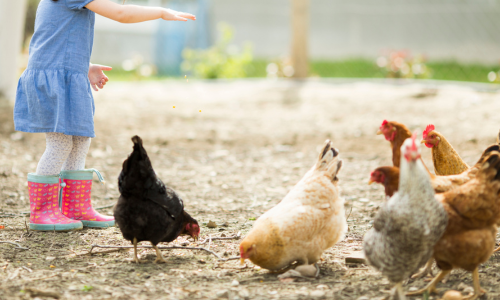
135 13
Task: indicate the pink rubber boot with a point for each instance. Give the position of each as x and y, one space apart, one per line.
76 201
44 205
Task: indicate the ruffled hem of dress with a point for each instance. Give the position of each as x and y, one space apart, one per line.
54 100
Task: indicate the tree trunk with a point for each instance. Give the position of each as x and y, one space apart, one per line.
12 15
300 29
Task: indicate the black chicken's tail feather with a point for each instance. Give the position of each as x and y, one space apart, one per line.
137 140
137 160
138 148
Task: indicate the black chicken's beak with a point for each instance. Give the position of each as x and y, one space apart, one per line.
195 238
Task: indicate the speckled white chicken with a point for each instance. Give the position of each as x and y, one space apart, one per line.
407 227
309 220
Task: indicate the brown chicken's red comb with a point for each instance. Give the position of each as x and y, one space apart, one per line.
384 123
428 129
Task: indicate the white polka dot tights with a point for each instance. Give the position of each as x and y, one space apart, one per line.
63 152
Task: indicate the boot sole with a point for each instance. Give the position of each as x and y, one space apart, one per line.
56 227
98 224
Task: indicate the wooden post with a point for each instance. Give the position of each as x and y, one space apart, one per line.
300 30
12 15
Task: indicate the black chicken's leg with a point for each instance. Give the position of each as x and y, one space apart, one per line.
159 256
136 260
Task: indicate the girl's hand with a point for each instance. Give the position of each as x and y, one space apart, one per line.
172 15
97 77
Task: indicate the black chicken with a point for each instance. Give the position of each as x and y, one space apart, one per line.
147 210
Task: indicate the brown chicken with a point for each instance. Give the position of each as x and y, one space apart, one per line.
396 133
387 176
473 211
445 158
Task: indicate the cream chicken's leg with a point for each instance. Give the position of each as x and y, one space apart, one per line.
136 259
431 287
159 256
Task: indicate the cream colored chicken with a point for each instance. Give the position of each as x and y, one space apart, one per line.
309 220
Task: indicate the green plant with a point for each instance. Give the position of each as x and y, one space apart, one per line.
87 288
223 60
400 64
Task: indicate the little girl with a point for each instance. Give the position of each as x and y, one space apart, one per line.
54 96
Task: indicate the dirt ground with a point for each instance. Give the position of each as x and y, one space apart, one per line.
232 149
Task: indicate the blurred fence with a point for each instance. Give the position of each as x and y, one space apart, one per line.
439 39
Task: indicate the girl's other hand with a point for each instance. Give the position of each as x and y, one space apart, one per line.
97 77
172 15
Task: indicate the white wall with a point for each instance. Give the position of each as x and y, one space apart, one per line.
11 34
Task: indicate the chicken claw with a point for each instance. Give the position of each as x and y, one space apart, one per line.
138 261
496 250
426 271
159 256
431 287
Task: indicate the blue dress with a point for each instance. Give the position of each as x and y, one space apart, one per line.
53 93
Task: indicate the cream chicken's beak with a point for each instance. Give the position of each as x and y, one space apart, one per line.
242 261
379 132
422 141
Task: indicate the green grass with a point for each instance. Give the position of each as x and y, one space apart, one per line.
461 72
256 69
440 70
349 68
